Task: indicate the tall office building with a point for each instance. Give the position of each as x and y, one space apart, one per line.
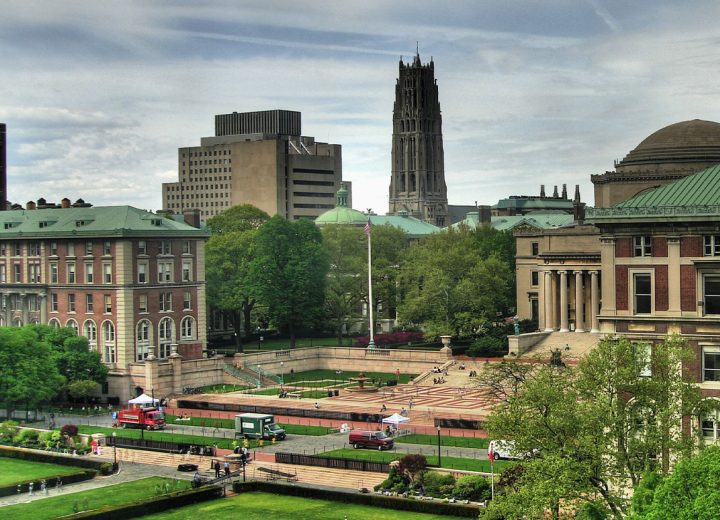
257 158
417 184
3 167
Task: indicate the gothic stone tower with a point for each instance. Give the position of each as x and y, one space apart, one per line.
417 186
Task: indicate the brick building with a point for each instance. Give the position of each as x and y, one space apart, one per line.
131 281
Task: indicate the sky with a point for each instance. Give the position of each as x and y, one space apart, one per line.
99 95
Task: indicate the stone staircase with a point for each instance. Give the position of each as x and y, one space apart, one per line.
572 345
242 375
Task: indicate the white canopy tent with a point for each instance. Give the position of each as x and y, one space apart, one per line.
143 399
395 419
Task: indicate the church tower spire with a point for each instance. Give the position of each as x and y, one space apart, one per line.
417 184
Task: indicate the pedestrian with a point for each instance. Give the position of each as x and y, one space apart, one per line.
227 468
217 468
410 403
58 485
43 487
243 458
317 405
30 488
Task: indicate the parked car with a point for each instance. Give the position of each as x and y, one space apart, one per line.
506 450
370 439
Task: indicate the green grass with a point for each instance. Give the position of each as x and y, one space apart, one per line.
314 377
447 462
291 429
164 437
264 506
14 471
221 389
457 442
64 504
265 391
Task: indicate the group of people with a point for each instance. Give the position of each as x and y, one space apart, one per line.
472 373
438 380
438 370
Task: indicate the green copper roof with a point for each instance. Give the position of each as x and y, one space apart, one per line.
414 227
92 221
341 213
502 223
535 202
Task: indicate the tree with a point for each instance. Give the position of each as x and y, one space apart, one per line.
288 273
82 389
28 371
228 254
72 355
452 284
597 426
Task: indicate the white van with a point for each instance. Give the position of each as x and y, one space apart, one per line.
506 450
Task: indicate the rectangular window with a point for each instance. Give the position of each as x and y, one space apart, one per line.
534 278
88 248
3 273
186 247
643 293
3 248
165 247
88 302
711 245
142 303
17 273
71 302
187 301
165 271
34 271
71 272
53 273
33 249
642 246
142 272
711 292
711 363
53 302
88 273
53 248
107 248
535 248
70 249
643 354
186 270
107 273
108 303
166 302
142 247
17 248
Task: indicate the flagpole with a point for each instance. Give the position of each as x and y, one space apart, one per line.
371 343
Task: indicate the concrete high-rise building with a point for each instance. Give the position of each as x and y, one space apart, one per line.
417 184
257 158
3 167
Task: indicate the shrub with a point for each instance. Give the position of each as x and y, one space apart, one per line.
391 338
395 482
488 346
69 430
412 466
8 430
27 438
437 484
472 487
106 468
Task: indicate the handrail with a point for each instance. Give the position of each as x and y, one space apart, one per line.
247 378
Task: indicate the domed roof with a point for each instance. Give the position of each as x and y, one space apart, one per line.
695 141
341 214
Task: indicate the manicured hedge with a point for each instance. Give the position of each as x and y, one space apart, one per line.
151 505
71 478
79 461
436 507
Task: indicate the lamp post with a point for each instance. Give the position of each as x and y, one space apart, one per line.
282 373
439 455
114 438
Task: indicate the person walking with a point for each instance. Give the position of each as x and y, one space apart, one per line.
217 468
227 468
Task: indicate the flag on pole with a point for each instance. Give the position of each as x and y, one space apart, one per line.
367 228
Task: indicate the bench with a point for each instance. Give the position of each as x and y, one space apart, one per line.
294 395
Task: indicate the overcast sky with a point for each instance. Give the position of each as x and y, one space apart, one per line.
99 95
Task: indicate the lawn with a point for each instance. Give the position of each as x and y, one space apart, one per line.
457 442
329 377
292 429
447 462
264 506
66 504
13 471
163 436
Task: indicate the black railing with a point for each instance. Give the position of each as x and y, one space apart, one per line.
326 462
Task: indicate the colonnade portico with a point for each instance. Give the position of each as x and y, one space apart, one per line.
21 309
557 304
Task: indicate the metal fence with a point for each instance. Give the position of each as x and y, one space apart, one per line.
326 462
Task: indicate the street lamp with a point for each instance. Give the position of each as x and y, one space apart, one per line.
439 455
282 373
114 438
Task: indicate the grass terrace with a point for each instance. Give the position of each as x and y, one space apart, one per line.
465 464
292 429
455 442
14 471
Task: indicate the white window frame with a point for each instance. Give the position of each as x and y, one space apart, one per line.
107 273
108 336
89 272
187 328
89 302
142 339
704 276
632 300
642 245
143 268
710 349
166 333
71 274
90 332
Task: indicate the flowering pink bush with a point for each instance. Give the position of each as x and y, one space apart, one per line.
391 338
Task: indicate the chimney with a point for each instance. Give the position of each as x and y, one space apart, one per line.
577 193
65 203
578 211
192 217
564 192
555 192
30 205
484 217
542 190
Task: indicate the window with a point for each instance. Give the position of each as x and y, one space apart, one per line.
643 293
88 273
108 303
142 272
165 247
53 302
33 248
17 273
186 270
535 248
143 340
34 273
142 303
71 302
534 278
166 302
165 337
187 301
186 247
73 325
712 245
165 271
711 363
187 328
88 302
54 323
90 332
17 249
53 273
88 248
3 273
3 249
710 424
711 292
142 247
53 248
71 272
109 341
642 246
70 249
107 273
107 248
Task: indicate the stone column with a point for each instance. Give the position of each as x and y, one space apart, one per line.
607 263
6 308
24 308
176 363
563 302
674 275
43 308
594 299
547 300
579 301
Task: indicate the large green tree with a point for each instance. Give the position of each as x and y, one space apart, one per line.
455 282
598 425
72 355
228 254
288 273
28 372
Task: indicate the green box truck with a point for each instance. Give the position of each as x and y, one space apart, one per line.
257 426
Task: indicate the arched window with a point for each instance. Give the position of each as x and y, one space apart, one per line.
54 323
108 335
18 322
166 332
142 340
90 332
187 328
72 324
